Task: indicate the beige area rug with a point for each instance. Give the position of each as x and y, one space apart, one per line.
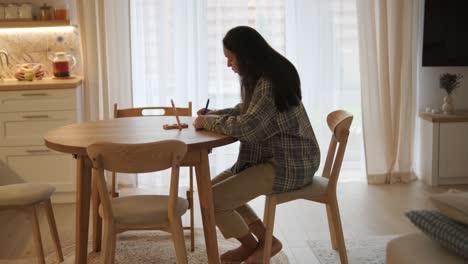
367 250
152 247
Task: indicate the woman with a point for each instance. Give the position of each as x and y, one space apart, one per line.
278 150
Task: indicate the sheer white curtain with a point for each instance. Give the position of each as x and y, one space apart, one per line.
322 41
105 41
106 54
387 34
177 53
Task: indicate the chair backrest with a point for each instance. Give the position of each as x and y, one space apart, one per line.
149 111
339 122
136 158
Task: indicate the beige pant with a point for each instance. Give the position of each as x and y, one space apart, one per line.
231 192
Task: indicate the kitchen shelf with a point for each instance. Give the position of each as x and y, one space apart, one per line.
33 23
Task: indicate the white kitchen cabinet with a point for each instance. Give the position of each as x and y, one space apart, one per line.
37 100
27 128
25 116
453 150
42 165
444 148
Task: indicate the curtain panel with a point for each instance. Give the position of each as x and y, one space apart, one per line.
105 40
388 63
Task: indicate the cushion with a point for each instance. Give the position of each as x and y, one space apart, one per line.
453 204
318 187
450 234
24 194
143 210
417 248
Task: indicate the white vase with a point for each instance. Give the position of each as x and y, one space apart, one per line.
448 107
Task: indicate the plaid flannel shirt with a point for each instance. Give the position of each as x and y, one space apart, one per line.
265 133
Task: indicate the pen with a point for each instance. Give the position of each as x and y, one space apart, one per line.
176 115
206 106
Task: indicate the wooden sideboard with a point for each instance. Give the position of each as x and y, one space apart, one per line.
444 148
27 111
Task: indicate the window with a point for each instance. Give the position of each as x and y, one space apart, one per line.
177 53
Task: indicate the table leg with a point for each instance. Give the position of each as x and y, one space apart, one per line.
207 208
97 220
83 193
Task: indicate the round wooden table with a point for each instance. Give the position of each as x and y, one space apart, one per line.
75 138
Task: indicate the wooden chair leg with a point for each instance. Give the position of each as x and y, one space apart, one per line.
113 246
114 192
109 244
192 218
331 227
53 229
338 231
269 221
37 235
96 218
179 242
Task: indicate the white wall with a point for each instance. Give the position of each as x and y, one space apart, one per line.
428 92
430 95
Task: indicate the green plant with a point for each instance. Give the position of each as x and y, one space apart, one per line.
450 82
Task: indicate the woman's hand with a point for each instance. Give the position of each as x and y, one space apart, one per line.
198 122
202 112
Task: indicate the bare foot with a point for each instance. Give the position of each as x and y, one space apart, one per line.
256 257
237 255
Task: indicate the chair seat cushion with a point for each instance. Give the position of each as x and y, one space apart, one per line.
144 210
318 187
417 248
24 194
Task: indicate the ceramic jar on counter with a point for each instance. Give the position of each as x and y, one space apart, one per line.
45 12
2 11
16 11
11 11
25 11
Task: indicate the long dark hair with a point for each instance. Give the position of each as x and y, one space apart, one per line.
256 59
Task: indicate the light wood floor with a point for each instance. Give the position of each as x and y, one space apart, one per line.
366 210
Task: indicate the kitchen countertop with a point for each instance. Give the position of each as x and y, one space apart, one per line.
46 83
458 116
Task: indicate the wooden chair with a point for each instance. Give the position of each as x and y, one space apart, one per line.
140 111
160 212
29 197
166 111
322 189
